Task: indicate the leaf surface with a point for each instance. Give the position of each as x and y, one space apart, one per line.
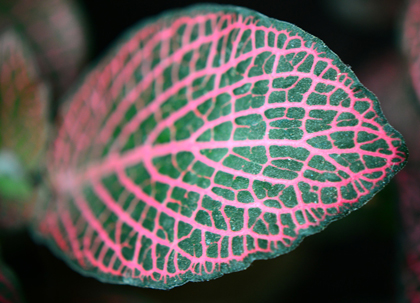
208 138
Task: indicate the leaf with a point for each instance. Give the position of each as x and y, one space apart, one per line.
408 185
23 127
16 193
23 102
208 138
56 29
411 42
9 288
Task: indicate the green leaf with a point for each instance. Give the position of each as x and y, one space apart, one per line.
206 139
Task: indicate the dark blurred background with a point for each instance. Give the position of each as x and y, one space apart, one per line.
355 29
354 260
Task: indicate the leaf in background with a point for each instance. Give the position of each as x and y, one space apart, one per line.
408 183
411 42
23 127
56 29
23 102
9 288
209 138
16 192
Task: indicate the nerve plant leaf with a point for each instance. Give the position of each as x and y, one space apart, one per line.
23 126
210 137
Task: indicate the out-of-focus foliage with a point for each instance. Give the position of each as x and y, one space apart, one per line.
57 32
24 101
